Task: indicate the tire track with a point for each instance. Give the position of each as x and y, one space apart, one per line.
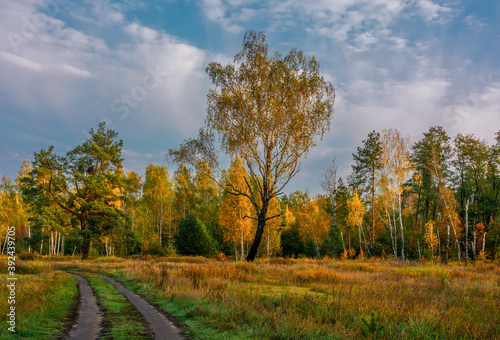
89 319
162 328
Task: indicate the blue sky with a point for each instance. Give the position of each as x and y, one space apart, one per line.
140 66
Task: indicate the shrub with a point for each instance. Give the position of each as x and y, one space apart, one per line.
194 239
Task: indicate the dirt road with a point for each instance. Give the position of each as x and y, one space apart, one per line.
88 323
89 319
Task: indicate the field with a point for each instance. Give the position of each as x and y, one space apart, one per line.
298 299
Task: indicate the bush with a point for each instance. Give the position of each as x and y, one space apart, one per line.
194 238
291 243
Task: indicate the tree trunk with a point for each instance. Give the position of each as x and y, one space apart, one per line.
29 235
373 212
85 246
366 243
268 252
447 243
393 237
41 244
261 224
416 221
473 245
484 242
242 243
401 227
467 233
360 242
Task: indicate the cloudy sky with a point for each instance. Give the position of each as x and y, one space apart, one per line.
140 66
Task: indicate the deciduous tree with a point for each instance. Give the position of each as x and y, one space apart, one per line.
269 110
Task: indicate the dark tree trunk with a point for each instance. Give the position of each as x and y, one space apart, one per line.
86 236
416 219
258 236
85 247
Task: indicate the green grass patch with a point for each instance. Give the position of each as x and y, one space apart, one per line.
123 321
45 305
302 299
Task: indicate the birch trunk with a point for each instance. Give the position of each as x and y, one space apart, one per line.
467 233
401 228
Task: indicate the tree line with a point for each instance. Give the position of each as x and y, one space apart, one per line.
435 199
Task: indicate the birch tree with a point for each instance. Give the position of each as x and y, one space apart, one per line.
355 218
158 195
396 170
270 111
235 211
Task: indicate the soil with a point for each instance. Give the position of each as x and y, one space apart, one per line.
89 318
161 327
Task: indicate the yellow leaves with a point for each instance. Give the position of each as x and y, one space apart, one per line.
289 217
430 237
236 209
356 210
309 213
396 162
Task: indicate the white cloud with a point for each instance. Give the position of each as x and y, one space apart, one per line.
138 31
20 61
75 71
215 10
473 21
97 74
432 11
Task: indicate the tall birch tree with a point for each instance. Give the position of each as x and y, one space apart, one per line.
270 111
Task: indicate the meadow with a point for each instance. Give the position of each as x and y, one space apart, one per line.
305 299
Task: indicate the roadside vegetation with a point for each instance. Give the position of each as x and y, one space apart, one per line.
310 299
46 301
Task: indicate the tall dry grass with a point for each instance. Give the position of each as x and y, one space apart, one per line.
308 299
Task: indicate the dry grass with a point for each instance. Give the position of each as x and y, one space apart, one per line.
44 300
307 299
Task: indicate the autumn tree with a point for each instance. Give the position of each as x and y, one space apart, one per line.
184 193
235 210
207 195
268 110
84 185
432 157
158 196
395 171
355 217
310 219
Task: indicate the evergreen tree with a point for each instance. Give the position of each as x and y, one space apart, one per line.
85 186
194 238
367 161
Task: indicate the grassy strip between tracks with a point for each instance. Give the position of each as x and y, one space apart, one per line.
123 321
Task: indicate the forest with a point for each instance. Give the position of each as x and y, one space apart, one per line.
436 199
